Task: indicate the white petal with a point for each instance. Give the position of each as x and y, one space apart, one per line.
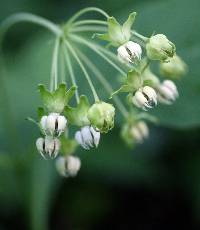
167 93
73 165
79 139
40 144
143 128
137 134
139 100
87 136
60 166
51 122
171 86
62 122
96 136
43 122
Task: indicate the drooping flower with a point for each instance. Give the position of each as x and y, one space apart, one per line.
48 147
130 52
68 166
134 132
175 68
167 92
54 124
101 116
88 137
160 48
145 98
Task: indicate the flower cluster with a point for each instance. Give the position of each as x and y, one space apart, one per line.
132 58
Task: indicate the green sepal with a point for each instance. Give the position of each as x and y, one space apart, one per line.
56 101
132 83
68 146
41 112
118 34
126 28
78 116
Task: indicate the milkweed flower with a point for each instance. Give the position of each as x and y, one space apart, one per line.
48 147
53 124
175 68
68 166
101 116
88 137
167 92
145 98
160 48
139 132
129 52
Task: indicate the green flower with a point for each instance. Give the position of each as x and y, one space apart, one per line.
118 34
54 102
175 68
101 116
160 48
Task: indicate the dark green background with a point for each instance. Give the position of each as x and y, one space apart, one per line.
155 186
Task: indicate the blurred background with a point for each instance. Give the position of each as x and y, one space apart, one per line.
154 186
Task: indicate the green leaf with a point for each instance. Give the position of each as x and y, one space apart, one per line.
126 28
78 116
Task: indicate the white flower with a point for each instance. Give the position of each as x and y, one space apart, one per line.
53 124
88 137
145 98
48 146
130 52
167 92
140 131
68 166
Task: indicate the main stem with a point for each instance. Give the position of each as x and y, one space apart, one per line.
27 17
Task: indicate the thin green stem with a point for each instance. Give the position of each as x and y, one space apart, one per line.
136 34
87 29
83 69
54 66
71 72
27 17
86 22
86 10
93 47
104 82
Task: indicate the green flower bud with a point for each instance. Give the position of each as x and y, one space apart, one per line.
101 116
175 68
160 48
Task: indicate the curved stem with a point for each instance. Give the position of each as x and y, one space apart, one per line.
27 17
86 22
88 28
86 10
136 34
54 66
104 82
71 72
95 49
83 69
